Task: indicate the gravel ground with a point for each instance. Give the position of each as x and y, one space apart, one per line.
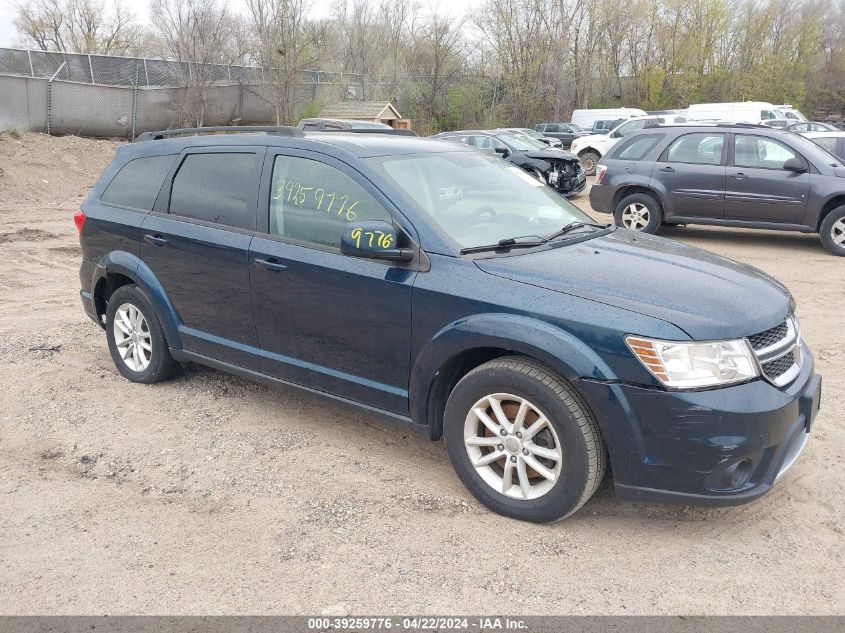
209 494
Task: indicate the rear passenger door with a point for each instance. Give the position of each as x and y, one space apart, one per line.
691 171
337 323
196 242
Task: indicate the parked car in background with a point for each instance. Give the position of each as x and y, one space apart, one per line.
739 112
564 132
811 126
780 124
557 168
590 149
586 118
445 290
534 136
833 142
726 174
671 116
351 125
604 126
788 112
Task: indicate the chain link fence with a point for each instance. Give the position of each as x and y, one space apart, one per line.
98 95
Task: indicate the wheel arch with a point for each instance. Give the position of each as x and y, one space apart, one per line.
120 268
829 205
626 190
462 346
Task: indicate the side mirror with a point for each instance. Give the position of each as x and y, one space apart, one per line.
504 152
795 165
373 239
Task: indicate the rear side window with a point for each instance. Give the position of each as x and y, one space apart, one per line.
137 184
636 148
216 188
552 128
312 202
703 148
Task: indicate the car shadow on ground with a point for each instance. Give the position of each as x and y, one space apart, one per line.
808 242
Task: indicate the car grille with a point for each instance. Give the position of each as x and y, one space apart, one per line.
779 352
769 337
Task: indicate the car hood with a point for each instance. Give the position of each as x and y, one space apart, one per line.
550 154
704 294
589 138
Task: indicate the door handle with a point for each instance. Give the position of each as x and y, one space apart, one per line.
158 240
270 264
740 176
667 168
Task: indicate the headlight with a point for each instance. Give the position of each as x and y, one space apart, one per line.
683 365
573 147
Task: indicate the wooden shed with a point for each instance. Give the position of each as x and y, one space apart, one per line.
372 111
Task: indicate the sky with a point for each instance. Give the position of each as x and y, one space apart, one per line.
8 35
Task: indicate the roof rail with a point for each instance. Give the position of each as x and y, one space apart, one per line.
281 130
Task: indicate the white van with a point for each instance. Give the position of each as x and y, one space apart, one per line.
738 112
586 118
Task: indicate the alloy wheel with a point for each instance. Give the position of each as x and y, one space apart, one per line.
513 446
636 216
837 232
132 337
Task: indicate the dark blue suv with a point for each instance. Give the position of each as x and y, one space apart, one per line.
450 291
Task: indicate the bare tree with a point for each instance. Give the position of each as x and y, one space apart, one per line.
202 34
77 26
286 42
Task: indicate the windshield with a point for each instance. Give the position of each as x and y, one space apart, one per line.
519 143
479 199
814 152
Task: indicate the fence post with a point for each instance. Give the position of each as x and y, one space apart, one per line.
146 74
29 57
90 68
134 109
50 95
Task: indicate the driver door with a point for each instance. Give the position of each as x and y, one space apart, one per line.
336 323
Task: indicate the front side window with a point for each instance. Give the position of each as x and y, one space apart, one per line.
698 149
487 143
311 202
478 199
216 188
760 152
138 182
765 115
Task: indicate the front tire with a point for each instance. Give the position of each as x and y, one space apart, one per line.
832 232
639 212
136 341
523 441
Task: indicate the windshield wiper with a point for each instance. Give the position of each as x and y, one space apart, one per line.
573 226
506 243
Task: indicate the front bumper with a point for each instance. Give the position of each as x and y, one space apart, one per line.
716 447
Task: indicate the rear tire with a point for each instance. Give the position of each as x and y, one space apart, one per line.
538 454
832 231
639 212
589 160
136 341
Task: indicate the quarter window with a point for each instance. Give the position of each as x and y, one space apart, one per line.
137 184
312 202
216 188
698 149
636 148
760 152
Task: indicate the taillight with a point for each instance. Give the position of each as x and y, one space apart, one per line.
601 170
79 220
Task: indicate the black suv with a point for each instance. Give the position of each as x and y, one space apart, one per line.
738 175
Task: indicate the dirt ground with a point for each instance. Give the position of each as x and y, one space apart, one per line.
209 494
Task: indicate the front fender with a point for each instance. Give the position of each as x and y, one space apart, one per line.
129 265
524 335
